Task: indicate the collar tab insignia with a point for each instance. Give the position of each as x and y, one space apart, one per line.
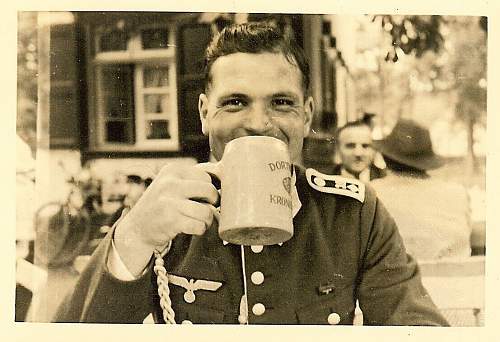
334 184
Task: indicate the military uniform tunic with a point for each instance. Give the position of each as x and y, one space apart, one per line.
343 249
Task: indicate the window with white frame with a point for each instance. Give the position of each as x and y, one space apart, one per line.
135 87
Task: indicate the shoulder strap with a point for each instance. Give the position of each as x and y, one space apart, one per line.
337 185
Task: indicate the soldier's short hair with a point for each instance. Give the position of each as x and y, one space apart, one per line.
256 37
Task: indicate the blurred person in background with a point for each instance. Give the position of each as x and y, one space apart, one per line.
128 195
432 215
355 151
136 187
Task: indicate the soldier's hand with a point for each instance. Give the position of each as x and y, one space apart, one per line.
181 199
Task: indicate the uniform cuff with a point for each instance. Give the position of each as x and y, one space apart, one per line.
117 268
115 264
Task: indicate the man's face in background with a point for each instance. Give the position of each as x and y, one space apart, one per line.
355 148
134 192
255 94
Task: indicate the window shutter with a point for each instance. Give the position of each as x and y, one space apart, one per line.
64 114
193 38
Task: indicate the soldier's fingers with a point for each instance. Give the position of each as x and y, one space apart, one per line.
200 191
192 226
199 211
185 172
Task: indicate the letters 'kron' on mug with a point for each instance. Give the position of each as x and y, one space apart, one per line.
256 205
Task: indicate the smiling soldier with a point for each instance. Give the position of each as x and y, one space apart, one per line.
345 247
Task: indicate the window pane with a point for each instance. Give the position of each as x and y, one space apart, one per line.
119 131
155 76
154 38
116 103
157 129
115 40
117 91
155 103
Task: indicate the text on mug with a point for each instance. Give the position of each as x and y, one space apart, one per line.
279 165
277 199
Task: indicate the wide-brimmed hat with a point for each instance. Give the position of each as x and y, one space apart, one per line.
410 144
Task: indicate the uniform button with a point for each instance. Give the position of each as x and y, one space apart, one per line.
257 278
333 318
186 321
258 309
257 248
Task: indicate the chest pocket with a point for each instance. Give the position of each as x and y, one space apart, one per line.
334 309
198 292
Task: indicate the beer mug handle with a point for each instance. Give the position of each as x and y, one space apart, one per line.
213 169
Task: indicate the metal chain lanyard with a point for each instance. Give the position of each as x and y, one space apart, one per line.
163 290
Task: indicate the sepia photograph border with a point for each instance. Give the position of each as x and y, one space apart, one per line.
60 332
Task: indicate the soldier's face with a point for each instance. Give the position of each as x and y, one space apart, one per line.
355 148
255 94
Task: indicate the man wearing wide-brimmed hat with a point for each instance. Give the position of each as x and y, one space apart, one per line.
432 215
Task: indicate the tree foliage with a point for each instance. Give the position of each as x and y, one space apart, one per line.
415 34
465 51
443 70
457 63
469 67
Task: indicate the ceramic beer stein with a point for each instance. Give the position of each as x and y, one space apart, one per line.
256 206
